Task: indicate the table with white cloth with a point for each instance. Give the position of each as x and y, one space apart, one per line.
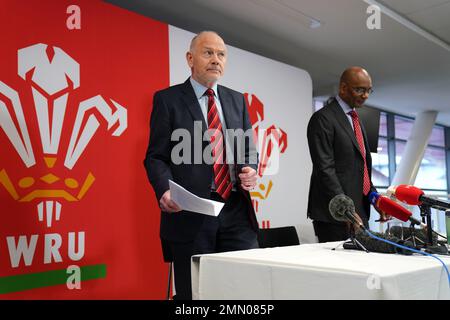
315 271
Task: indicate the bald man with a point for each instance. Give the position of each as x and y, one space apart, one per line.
208 167
341 157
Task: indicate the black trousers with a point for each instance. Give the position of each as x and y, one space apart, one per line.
329 232
230 231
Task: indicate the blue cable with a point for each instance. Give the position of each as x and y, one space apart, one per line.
410 249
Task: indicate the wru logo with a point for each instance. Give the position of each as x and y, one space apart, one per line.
52 75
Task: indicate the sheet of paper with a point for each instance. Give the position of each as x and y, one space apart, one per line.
190 202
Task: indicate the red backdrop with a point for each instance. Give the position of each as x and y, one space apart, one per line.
122 57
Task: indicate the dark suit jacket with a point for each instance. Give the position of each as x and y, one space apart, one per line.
177 107
338 166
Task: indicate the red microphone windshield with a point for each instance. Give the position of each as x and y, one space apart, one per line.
392 208
408 194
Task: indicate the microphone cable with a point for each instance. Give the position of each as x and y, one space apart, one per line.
410 249
438 234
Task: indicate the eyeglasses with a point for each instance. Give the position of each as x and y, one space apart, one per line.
362 90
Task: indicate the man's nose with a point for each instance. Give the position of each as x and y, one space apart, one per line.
215 58
365 94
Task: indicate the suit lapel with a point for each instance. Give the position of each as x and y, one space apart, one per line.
191 102
226 102
343 121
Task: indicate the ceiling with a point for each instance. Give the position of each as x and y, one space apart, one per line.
410 73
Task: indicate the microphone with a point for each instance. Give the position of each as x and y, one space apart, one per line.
392 208
415 196
407 233
374 245
342 208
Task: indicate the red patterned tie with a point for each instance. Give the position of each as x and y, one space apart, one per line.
221 171
359 138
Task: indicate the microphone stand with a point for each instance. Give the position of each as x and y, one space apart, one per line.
355 241
425 213
415 239
431 246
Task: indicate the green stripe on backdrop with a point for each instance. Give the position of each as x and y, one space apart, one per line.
48 278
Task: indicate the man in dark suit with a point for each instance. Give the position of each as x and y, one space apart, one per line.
207 162
341 157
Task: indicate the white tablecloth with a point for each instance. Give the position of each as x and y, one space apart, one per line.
314 271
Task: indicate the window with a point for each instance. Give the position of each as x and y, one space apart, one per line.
383 124
403 127
380 164
318 105
432 175
399 148
437 137
432 172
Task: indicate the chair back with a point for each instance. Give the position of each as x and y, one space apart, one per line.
278 237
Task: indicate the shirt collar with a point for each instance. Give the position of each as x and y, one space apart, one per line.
344 105
200 89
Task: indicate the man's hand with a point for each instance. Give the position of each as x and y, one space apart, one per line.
358 223
383 216
248 178
358 219
167 205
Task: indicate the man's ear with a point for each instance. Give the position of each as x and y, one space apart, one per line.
189 59
342 88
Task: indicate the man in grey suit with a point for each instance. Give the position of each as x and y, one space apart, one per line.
341 158
228 177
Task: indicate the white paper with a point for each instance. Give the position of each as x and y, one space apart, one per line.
190 202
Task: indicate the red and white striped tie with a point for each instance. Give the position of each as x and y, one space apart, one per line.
359 138
221 171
